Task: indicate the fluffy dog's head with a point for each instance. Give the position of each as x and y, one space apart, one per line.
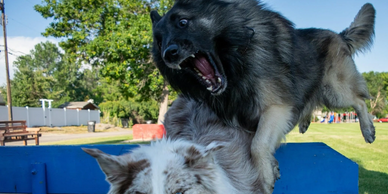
197 40
166 167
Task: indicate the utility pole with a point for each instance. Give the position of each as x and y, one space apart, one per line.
9 99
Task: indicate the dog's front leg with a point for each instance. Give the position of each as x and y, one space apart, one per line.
275 122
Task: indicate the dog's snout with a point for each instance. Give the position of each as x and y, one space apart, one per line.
171 52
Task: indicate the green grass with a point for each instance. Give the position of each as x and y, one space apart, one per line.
123 139
347 139
94 140
73 130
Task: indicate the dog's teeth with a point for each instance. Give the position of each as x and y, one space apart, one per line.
203 77
179 67
192 56
200 74
219 80
207 81
210 88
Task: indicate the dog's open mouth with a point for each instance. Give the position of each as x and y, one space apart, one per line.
205 70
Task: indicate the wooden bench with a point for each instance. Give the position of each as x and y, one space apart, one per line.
17 131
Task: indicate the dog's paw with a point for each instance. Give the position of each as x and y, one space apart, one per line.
276 173
268 188
303 126
369 133
276 170
269 172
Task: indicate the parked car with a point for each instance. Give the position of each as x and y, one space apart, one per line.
382 120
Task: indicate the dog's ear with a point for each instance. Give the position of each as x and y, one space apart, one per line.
200 156
155 17
118 168
213 146
108 164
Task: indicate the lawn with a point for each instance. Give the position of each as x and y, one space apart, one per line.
94 140
122 139
74 129
346 138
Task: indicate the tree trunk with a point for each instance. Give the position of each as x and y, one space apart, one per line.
164 103
374 102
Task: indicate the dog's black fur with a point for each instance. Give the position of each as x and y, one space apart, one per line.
257 71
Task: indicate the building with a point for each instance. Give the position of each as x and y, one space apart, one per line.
80 105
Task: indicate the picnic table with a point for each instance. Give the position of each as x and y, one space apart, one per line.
17 131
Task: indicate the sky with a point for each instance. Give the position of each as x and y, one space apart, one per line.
25 26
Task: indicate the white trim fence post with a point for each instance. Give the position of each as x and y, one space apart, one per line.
44 111
88 115
64 109
49 107
78 117
28 117
44 117
50 123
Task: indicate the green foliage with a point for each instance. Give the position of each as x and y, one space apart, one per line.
114 35
378 87
45 74
134 111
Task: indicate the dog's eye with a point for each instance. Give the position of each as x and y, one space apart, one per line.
182 23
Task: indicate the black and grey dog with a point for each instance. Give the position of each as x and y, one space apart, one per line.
256 71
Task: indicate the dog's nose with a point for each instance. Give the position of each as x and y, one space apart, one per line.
171 52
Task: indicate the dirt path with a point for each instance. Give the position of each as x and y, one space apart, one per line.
52 137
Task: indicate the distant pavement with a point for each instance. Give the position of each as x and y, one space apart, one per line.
53 137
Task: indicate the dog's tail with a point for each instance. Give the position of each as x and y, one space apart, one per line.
359 35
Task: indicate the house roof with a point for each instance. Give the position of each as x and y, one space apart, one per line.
2 102
77 105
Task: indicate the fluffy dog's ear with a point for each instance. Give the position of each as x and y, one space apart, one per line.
155 17
117 168
214 146
200 156
108 163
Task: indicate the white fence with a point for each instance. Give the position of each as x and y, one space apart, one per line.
50 116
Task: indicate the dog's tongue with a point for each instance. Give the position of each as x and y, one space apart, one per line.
204 67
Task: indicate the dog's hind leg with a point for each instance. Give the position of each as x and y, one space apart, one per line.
355 99
344 86
366 124
275 122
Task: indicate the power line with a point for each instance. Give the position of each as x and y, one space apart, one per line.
31 28
15 51
11 53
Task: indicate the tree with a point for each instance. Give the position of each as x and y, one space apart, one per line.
117 108
45 74
113 35
33 78
377 84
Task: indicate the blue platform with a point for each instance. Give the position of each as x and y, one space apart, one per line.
306 168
